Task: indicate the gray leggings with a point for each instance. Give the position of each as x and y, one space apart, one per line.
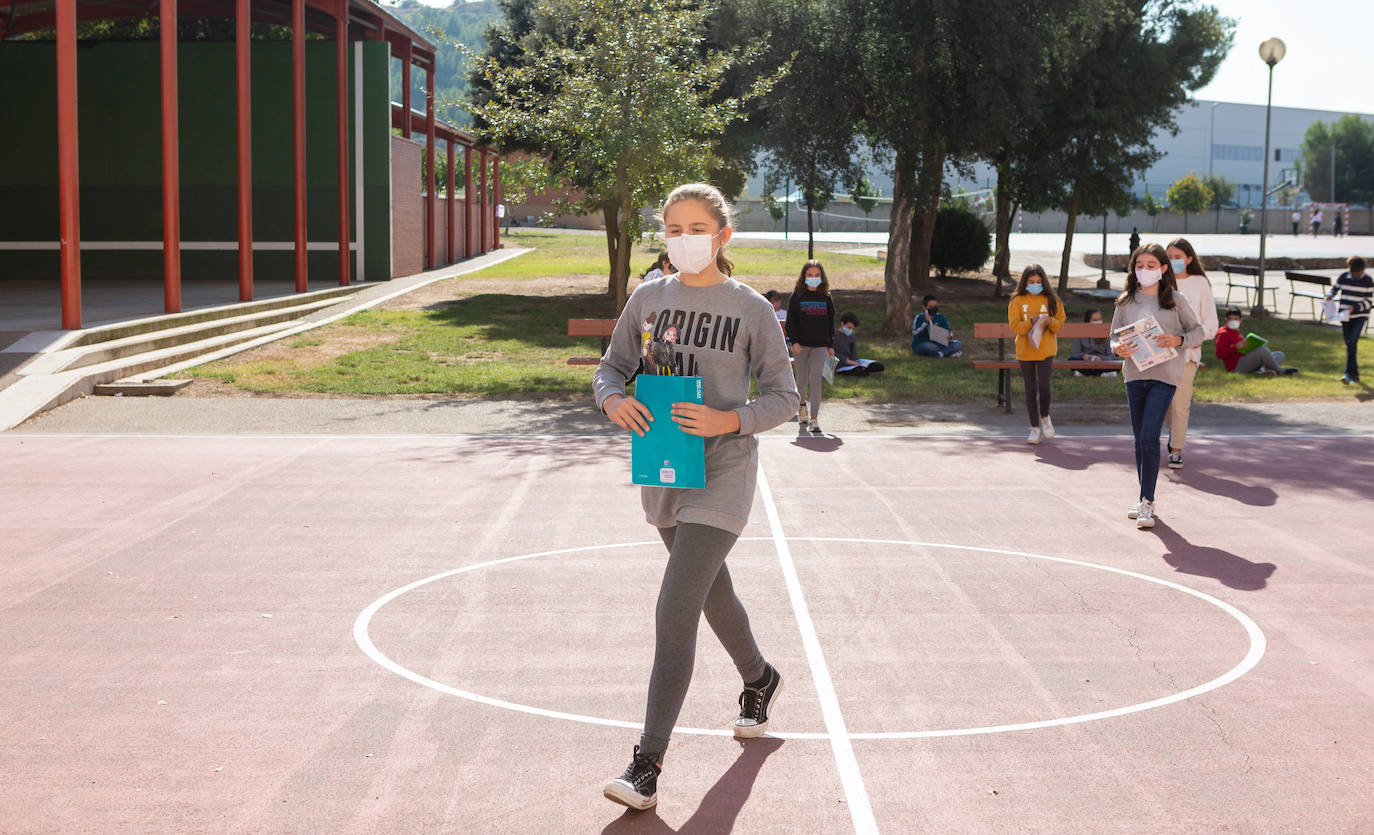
1261 357
695 581
807 367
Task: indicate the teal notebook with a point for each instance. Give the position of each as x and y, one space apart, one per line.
666 456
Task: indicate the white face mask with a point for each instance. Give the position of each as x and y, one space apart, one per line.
813 281
1147 278
692 253
1233 324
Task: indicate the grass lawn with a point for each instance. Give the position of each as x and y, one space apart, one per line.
497 335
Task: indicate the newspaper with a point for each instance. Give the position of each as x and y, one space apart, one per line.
1141 334
1332 311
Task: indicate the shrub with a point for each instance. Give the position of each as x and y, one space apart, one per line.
961 241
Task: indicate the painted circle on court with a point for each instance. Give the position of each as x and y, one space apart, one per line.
1252 656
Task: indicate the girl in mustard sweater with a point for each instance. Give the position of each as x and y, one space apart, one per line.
1035 314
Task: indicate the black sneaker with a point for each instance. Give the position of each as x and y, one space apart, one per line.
1290 370
1175 460
756 704
638 786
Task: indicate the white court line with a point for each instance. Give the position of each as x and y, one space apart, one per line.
497 436
860 810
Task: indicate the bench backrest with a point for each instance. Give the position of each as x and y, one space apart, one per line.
1324 281
591 327
1070 330
1240 269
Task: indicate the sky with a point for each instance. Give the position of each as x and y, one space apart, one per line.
1329 63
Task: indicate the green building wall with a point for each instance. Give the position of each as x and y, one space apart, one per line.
120 158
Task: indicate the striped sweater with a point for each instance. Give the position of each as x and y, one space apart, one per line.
1355 293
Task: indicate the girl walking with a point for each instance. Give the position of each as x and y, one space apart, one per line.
1151 291
811 330
1196 289
725 331
1036 315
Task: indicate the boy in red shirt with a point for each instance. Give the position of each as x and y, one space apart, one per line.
1228 341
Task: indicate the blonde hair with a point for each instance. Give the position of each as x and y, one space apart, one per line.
715 202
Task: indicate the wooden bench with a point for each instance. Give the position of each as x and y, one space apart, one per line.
1314 288
1001 331
601 328
1245 278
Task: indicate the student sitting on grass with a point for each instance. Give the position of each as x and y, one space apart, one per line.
1092 350
847 350
1259 358
922 343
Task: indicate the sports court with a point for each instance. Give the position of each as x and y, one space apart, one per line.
446 632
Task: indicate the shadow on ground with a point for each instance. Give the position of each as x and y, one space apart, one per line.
1230 569
721 805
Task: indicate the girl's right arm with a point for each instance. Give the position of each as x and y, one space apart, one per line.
1019 326
617 366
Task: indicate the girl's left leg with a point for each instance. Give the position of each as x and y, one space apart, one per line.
1135 401
1156 404
817 365
696 555
1044 375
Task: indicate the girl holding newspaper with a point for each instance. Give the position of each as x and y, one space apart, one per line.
1036 315
1149 327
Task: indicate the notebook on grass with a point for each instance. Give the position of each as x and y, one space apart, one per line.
666 456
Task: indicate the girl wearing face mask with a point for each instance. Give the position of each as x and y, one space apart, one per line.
1034 302
811 330
1194 287
1151 291
726 332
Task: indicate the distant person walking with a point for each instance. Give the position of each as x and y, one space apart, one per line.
1317 223
1296 218
1338 226
1356 295
1035 315
1135 239
1196 290
1151 291
810 328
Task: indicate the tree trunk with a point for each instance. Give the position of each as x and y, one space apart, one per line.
618 252
1001 259
897 318
1185 223
810 235
1068 242
1218 229
926 204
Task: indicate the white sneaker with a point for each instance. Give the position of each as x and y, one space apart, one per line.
1146 517
803 415
814 427
1108 373
1034 436
1134 511
1046 427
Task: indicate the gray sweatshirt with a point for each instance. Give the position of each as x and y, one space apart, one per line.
1181 321
725 334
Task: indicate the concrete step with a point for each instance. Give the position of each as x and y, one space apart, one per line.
124 330
133 388
82 356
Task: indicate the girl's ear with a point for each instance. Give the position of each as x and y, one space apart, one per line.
725 235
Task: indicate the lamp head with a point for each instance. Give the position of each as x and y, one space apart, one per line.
1271 51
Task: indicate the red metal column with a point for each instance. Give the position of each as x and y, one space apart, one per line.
429 164
452 207
171 164
341 98
298 138
469 249
244 82
496 201
68 169
407 55
486 204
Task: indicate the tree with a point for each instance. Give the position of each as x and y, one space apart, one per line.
1178 47
815 198
865 196
1223 192
1152 210
771 204
587 86
1350 139
1189 195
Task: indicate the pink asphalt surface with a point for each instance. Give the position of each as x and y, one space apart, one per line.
177 645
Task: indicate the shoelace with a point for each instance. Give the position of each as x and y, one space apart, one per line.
642 769
751 704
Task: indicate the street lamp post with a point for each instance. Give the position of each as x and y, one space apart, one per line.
1212 137
1271 52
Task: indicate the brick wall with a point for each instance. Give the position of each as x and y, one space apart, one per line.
407 209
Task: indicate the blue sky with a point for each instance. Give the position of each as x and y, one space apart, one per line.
1329 64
